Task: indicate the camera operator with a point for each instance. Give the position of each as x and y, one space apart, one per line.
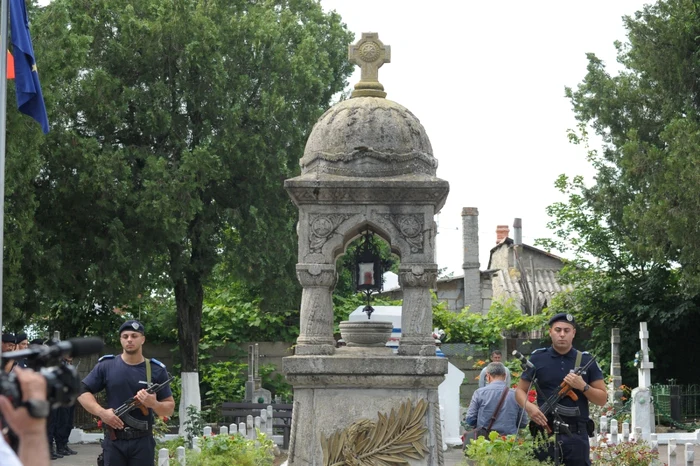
28 422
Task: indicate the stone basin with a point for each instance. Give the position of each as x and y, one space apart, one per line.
366 333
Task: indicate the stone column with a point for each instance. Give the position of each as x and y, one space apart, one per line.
316 314
470 243
416 281
615 394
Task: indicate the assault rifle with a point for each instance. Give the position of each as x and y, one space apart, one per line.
133 403
550 403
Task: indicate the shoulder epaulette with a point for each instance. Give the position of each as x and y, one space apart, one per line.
538 350
586 352
106 356
154 360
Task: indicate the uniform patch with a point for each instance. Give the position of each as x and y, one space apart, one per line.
158 362
106 356
569 317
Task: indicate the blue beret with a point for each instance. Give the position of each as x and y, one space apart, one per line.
562 317
132 326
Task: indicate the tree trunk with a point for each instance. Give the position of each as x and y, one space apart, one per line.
189 295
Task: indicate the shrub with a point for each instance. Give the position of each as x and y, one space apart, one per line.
624 454
227 450
502 450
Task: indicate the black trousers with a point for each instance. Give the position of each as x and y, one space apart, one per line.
134 452
574 449
63 424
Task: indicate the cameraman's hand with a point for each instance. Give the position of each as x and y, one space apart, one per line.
111 419
33 386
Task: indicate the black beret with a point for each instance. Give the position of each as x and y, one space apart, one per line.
8 338
562 317
21 337
132 326
37 341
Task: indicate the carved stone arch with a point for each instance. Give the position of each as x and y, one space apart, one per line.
356 230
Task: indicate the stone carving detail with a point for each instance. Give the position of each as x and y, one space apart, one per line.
312 275
321 227
438 431
384 196
418 277
391 439
410 228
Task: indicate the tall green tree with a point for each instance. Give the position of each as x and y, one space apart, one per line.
174 124
635 231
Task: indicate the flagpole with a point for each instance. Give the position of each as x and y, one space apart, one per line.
3 128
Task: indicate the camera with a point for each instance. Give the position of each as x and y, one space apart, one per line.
62 382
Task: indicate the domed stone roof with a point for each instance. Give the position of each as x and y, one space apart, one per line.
368 137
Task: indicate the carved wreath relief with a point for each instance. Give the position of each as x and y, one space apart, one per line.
387 442
410 228
321 228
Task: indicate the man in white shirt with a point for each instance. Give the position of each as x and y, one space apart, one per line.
496 356
28 422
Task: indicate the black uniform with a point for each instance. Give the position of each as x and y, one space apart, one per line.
121 382
550 369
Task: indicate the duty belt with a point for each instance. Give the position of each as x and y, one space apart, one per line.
128 433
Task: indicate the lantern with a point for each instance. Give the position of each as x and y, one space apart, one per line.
368 270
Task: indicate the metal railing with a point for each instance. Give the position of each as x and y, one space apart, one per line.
678 402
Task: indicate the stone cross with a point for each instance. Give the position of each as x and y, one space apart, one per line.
369 54
645 367
253 382
615 395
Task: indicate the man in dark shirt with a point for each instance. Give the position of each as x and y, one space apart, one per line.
555 365
124 376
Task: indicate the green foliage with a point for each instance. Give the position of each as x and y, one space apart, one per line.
503 450
485 331
225 381
194 425
225 450
634 232
174 124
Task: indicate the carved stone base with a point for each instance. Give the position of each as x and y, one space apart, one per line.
308 350
331 393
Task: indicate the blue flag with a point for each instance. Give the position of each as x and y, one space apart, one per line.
30 101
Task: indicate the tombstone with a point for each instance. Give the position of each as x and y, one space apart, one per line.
242 429
271 423
233 429
223 430
615 393
180 455
689 454
625 431
672 446
614 440
254 393
250 427
654 442
642 408
368 166
206 431
163 457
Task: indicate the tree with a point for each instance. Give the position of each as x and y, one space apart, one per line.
634 233
174 124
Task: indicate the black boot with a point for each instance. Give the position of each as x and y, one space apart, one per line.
65 450
54 454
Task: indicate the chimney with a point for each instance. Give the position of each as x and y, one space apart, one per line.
502 232
470 266
518 231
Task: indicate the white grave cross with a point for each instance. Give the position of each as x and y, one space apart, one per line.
645 366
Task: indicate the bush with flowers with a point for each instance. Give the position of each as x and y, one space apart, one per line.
637 453
500 450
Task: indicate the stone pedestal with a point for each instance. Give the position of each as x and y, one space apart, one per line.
351 389
643 412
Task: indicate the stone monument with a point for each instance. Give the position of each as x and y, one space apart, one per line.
367 166
615 392
254 393
642 408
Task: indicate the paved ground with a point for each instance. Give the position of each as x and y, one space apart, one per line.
87 456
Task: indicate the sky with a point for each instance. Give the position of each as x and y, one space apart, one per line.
486 79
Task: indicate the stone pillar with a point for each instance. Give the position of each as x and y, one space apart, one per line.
316 314
615 394
470 243
417 280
